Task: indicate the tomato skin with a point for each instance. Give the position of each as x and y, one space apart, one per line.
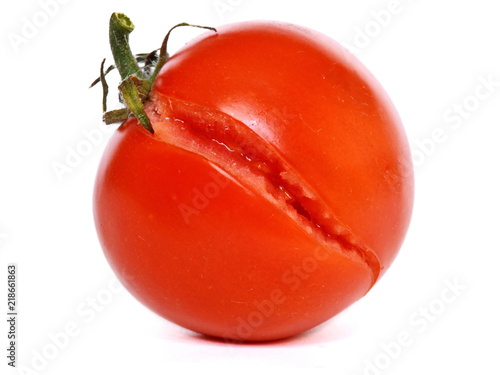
212 277
201 248
308 97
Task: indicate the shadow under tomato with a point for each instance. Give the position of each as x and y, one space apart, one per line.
327 332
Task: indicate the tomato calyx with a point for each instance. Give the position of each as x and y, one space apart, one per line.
138 72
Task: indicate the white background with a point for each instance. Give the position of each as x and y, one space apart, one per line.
431 56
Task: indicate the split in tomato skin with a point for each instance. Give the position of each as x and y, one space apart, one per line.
275 191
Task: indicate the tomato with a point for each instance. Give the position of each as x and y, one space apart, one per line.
275 190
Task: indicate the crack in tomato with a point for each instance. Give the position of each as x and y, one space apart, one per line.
237 150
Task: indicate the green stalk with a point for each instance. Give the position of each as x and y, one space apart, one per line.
136 83
134 88
132 98
120 27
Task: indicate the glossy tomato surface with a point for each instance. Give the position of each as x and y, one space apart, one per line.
276 189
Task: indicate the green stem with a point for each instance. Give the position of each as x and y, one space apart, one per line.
133 100
120 27
136 82
134 88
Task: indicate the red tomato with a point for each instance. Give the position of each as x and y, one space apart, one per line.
275 191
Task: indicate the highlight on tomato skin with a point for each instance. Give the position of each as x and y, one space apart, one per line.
275 191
